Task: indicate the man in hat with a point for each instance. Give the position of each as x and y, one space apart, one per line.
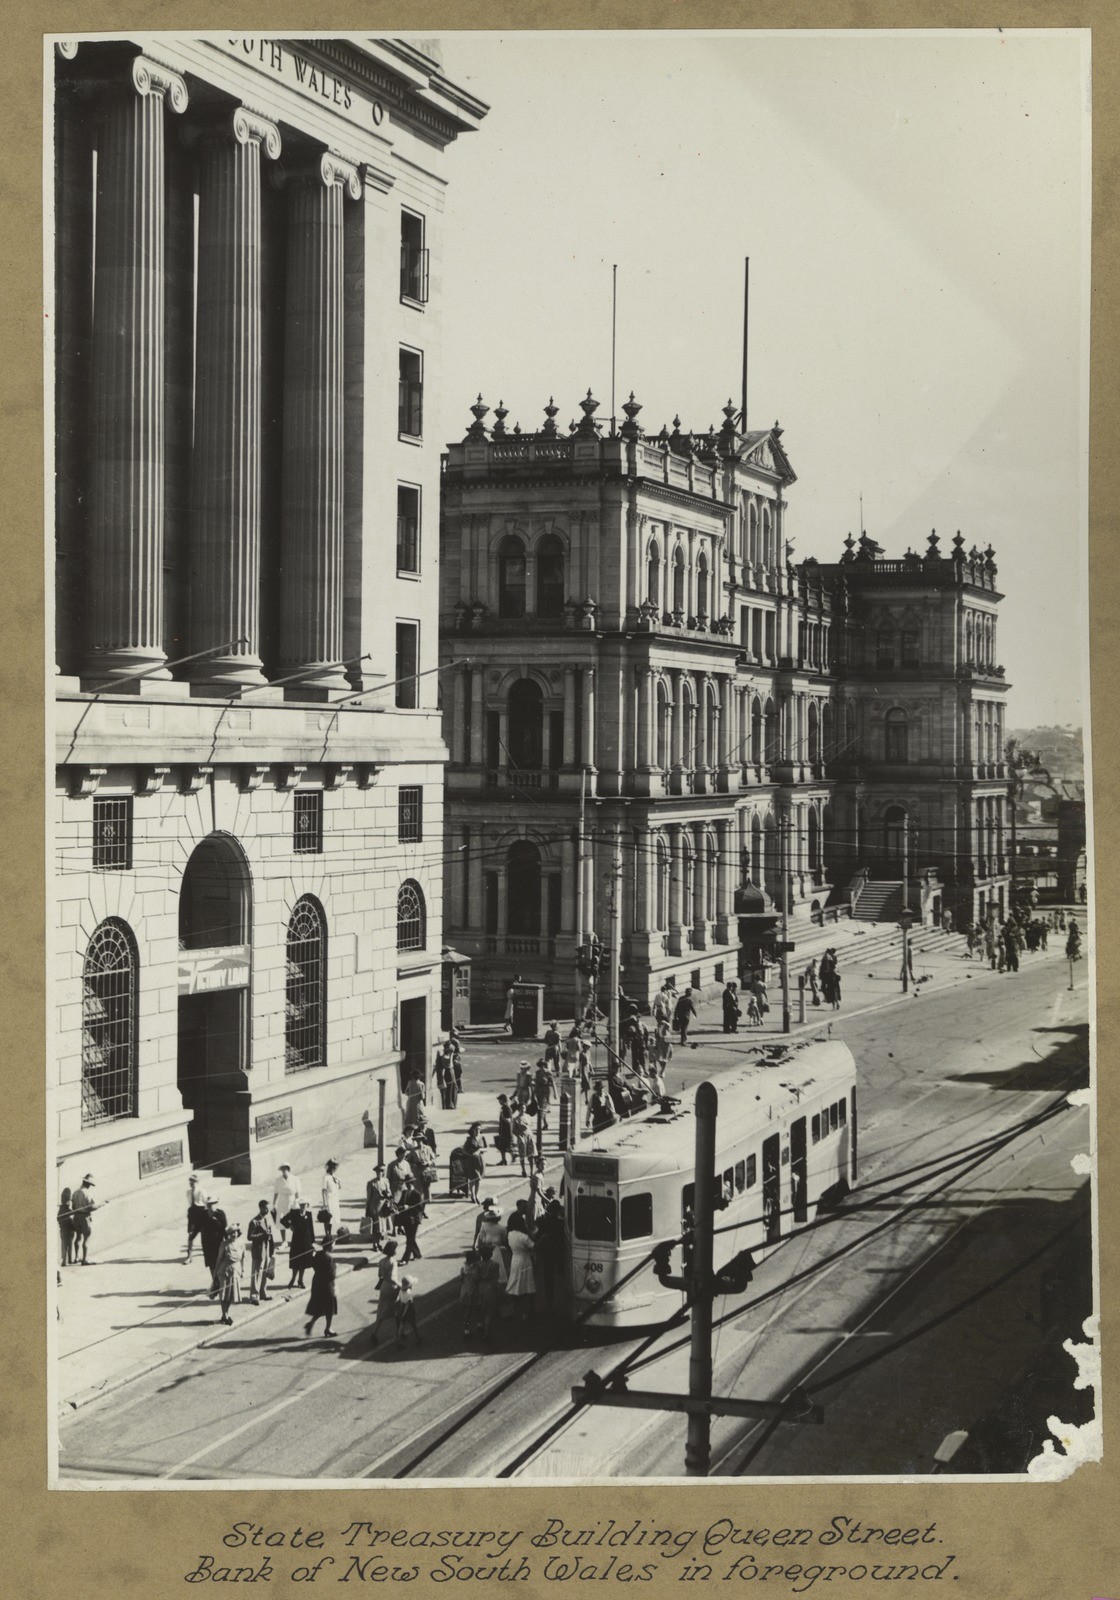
82 1206
285 1195
548 1245
261 1238
213 1231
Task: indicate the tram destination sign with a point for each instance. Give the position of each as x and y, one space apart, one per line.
594 1167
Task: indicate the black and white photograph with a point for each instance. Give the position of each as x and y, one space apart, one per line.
570 892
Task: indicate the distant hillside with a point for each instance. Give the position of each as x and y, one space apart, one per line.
1060 748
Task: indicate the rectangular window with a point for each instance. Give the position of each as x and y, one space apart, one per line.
414 259
816 1129
843 1111
493 739
410 395
756 632
636 1216
770 631
307 828
408 661
112 834
595 1217
408 528
740 1176
410 814
745 627
833 1117
729 1184
752 1171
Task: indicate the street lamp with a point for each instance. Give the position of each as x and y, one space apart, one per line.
905 918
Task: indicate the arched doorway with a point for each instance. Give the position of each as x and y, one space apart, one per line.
523 891
215 912
526 726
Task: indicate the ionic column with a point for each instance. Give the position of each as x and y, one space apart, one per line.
723 878
703 752
679 731
588 753
311 527
699 882
226 466
676 885
569 716
127 422
642 841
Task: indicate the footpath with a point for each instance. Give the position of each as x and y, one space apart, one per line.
142 1305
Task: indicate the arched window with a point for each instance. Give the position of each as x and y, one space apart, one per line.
687 870
814 840
884 647
109 1018
305 1010
968 639
756 850
550 577
814 733
214 897
828 733
710 881
896 735
752 536
756 731
662 727
511 577
412 932
653 575
702 586
678 580
770 751
526 725
767 551
523 889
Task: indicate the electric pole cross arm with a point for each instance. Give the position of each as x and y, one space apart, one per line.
796 1408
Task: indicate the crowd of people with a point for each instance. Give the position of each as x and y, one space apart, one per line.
1001 941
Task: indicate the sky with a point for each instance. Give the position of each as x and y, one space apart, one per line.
915 210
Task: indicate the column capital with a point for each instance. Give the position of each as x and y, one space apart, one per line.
152 77
250 127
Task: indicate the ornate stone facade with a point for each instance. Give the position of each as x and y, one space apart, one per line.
250 767
626 636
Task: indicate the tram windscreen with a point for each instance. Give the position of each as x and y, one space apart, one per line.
636 1215
595 1217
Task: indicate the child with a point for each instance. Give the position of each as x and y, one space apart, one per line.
754 1015
405 1309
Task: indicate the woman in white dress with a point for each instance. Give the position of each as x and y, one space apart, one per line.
491 1230
332 1192
522 1285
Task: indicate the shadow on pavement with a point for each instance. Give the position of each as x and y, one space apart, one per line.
1065 1066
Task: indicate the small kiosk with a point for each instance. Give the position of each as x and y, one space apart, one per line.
528 1010
455 992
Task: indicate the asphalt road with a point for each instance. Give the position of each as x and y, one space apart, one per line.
916 1311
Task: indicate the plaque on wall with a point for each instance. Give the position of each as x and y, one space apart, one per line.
160 1158
273 1123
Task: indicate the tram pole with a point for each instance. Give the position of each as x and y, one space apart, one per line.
783 851
580 930
615 967
698 1449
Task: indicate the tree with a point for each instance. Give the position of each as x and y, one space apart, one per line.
1023 766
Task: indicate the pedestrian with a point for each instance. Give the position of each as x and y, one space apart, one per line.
552 1047
285 1193
812 982
323 1301
261 1238
66 1234
523 1145
834 981
571 1048
388 1287
214 1223
404 1311
599 1111
1011 946
663 1047
468 1292
82 1207
754 1015
503 1139
521 1288
474 1148
196 1209
732 1010
301 1248
542 1090
491 1230
507 1019
422 1159
331 1199
489 1288
456 1063
410 1207
584 1073
656 1082
548 1246
426 1134
759 990
445 1077
662 1009
227 1274
415 1096
523 1085
379 1204
684 1014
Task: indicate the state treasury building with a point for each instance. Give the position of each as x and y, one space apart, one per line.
629 642
248 822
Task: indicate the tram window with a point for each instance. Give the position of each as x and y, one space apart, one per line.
833 1117
635 1216
740 1176
752 1171
729 1184
816 1130
843 1111
595 1217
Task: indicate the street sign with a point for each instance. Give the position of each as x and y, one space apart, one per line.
785 946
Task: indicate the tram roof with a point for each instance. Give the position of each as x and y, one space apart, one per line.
751 1096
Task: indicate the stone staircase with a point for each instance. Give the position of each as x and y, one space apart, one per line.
878 902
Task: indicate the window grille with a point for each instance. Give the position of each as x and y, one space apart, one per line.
109 985
305 1043
307 832
411 933
410 809
112 833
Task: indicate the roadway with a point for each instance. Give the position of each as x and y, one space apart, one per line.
913 1313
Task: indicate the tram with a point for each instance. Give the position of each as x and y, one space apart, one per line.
785 1143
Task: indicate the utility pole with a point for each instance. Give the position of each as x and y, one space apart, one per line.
698 1449
904 919
580 930
702 1284
783 848
615 961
